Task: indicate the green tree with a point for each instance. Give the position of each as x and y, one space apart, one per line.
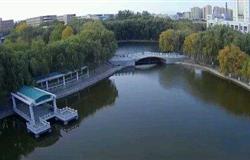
231 60
191 44
67 32
172 40
56 34
245 72
21 27
167 41
102 41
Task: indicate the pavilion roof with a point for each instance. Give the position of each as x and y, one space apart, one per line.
34 94
50 76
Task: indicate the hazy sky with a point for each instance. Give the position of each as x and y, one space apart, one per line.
22 9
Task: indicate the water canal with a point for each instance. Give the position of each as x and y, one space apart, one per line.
166 112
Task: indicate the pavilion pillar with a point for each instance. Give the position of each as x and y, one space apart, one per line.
47 85
54 105
64 83
13 102
32 114
77 76
87 72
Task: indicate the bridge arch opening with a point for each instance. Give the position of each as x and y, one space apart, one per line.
150 60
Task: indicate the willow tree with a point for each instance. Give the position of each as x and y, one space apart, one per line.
167 41
231 60
245 72
190 45
172 40
20 27
99 41
56 33
67 32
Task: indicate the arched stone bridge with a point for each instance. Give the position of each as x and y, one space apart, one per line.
134 59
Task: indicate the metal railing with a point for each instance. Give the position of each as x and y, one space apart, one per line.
38 128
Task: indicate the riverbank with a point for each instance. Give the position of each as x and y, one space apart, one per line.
218 74
137 41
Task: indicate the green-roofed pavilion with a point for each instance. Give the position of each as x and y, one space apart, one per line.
37 106
34 94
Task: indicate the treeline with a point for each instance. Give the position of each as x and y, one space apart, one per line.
128 25
218 46
29 52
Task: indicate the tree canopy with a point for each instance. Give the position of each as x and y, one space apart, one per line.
232 60
67 32
128 25
29 52
219 45
172 40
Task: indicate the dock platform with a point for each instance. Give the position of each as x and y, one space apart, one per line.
37 106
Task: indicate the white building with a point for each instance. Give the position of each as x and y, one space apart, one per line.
187 15
196 13
207 10
240 21
242 11
36 21
237 25
67 18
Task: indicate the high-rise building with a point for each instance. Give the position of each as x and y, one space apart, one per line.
228 15
240 21
186 15
222 13
242 11
196 13
207 10
218 12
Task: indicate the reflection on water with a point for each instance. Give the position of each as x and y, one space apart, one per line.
16 143
89 101
159 113
209 88
165 112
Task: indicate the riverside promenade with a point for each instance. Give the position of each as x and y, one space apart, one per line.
95 76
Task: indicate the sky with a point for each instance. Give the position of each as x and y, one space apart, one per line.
22 9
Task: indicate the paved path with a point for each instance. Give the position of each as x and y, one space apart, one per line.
81 84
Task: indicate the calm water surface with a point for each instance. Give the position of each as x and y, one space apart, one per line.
167 112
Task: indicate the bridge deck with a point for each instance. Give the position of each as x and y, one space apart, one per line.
130 59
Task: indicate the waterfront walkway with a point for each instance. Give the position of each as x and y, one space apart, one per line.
95 76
